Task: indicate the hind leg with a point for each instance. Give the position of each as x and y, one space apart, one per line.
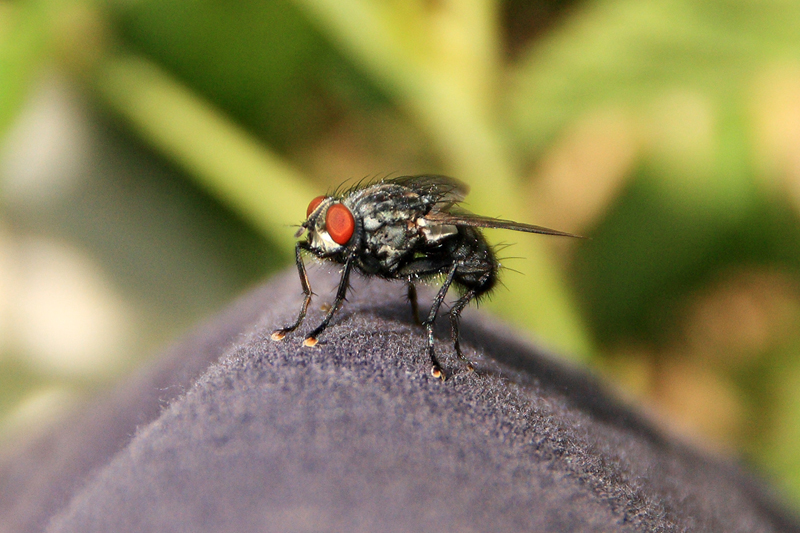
455 317
436 368
455 313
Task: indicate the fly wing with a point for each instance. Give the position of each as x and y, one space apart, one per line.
477 221
447 191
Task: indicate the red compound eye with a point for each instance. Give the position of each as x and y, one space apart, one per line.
313 205
339 223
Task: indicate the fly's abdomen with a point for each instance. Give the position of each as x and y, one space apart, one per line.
477 266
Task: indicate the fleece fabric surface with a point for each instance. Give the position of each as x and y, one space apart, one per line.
233 432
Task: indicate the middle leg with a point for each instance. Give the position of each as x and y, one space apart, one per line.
412 299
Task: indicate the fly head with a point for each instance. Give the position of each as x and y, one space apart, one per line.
331 227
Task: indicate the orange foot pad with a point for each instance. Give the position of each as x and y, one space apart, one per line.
310 342
437 373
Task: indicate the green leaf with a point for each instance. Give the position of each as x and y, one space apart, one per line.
24 37
222 157
628 52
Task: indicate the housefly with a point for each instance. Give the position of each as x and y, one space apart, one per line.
408 228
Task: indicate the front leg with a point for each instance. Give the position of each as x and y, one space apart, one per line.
279 334
341 293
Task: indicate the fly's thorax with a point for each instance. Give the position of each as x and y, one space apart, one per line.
434 232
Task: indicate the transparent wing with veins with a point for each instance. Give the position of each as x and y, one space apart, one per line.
448 191
478 221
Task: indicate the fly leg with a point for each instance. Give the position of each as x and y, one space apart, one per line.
436 369
455 317
412 299
279 334
341 293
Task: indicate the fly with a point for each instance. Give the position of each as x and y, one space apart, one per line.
406 228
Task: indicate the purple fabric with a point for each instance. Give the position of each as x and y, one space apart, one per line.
354 435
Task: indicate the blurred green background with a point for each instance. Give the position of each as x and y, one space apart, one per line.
154 153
